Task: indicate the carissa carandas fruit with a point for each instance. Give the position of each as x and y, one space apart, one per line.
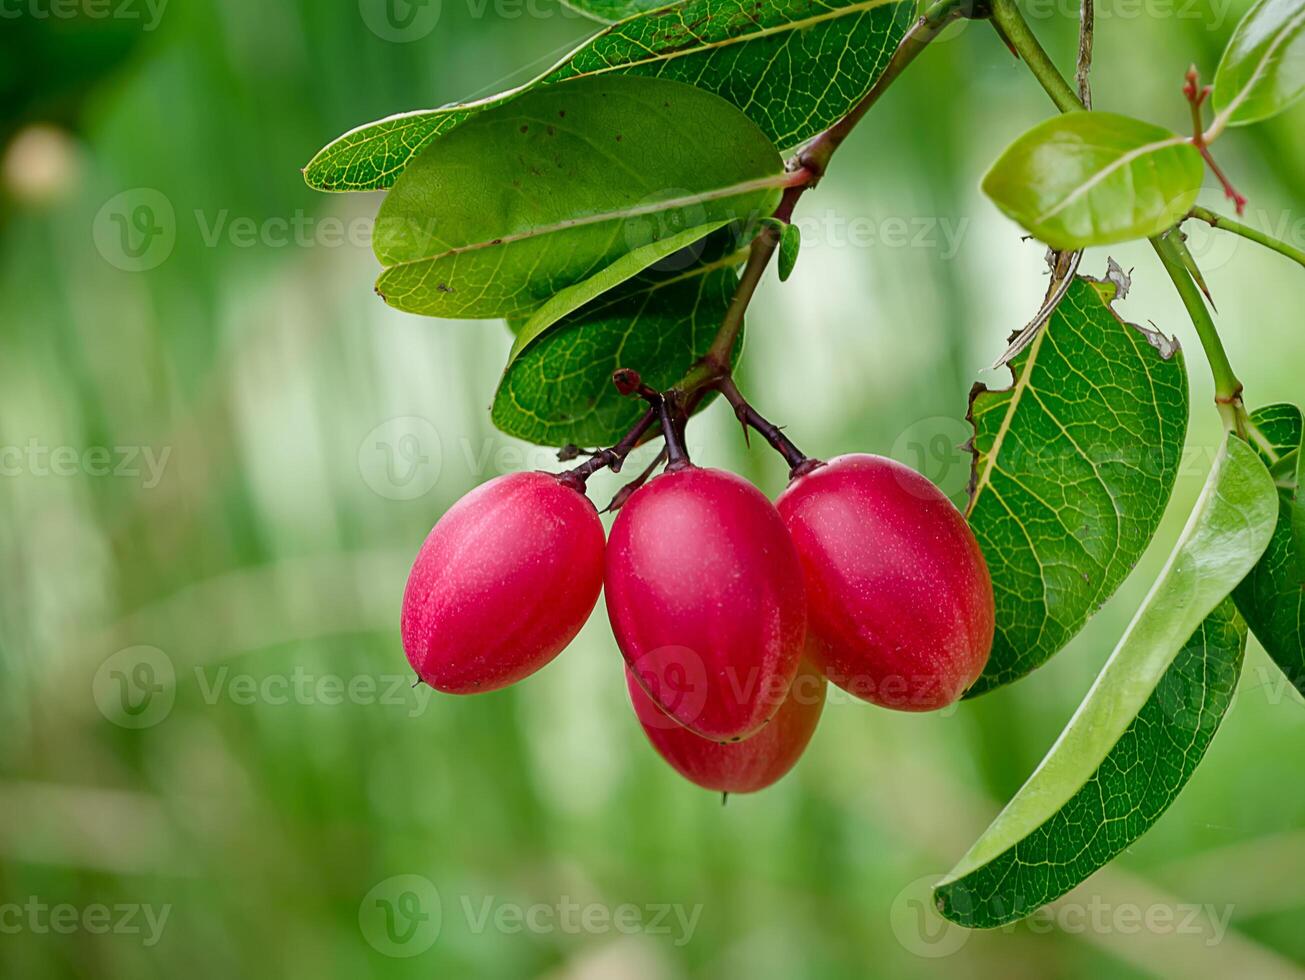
737 767
503 582
705 597
899 599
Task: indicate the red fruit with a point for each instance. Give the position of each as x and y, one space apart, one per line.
504 581
705 597
737 767
898 594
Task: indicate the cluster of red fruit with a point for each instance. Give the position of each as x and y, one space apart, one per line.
730 611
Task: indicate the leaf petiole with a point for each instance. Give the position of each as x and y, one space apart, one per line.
1215 220
1227 388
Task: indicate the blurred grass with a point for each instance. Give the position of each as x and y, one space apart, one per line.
265 370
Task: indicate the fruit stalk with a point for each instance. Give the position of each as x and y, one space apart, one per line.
749 417
610 458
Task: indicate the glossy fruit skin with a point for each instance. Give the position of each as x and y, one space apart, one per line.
503 583
705 598
737 767
899 598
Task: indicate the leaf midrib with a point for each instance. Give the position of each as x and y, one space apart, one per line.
670 204
416 116
1017 392
1106 171
1244 93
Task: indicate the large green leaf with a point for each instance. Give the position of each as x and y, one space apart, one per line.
793 66
533 197
1263 68
1272 597
1093 178
557 388
1073 466
610 11
1143 726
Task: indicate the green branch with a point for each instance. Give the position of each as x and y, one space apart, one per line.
809 165
1227 388
1250 234
1012 26
1014 29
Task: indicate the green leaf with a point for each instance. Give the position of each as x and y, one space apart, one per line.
533 197
1263 68
1272 597
789 246
610 11
557 388
1073 466
793 66
1036 851
1142 727
1093 178
679 251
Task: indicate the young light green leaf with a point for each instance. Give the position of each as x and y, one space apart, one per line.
793 66
533 197
1073 465
610 11
557 387
1262 71
789 245
1272 596
1094 178
1142 727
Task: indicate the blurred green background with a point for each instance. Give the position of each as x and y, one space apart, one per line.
221 451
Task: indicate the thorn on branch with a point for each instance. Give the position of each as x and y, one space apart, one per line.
750 418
